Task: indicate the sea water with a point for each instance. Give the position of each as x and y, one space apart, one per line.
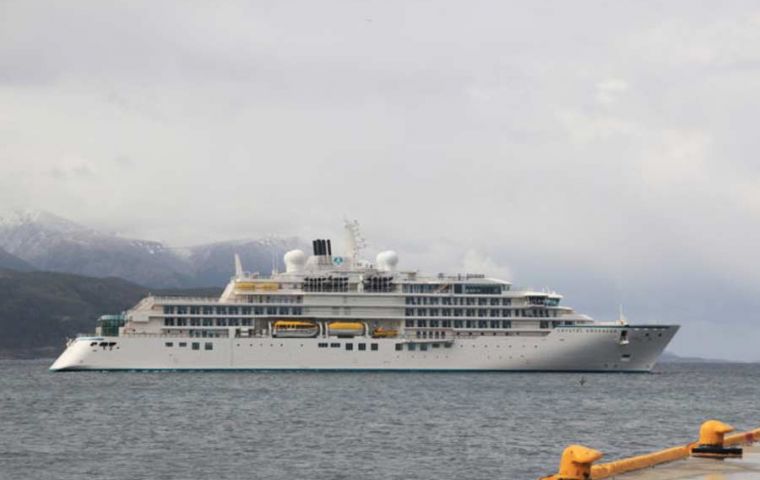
290 425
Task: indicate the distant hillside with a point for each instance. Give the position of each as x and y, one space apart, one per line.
39 310
13 262
44 241
668 357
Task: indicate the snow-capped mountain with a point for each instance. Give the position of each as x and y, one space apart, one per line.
49 242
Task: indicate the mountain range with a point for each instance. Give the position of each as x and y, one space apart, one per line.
39 240
39 310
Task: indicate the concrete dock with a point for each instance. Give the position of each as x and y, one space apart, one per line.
717 455
745 468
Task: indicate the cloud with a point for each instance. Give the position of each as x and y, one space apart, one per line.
612 152
608 90
477 262
71 167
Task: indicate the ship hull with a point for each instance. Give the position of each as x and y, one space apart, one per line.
597 348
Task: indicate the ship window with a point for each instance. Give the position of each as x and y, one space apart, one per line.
399 347
373 347
182 344
362 346
349 346
169 344
208 346
196 346
322 345
335 345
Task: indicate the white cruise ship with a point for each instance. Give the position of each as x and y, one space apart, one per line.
331 312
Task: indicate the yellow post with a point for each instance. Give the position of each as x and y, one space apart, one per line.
575 463
712 432
712 439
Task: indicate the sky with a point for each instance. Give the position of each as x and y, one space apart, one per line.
603 149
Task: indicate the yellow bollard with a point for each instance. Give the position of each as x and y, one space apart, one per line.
712 432
711 441
575 463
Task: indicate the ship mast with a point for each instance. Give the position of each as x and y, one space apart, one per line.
354 241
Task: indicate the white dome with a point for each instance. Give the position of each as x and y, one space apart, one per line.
294 261
387 260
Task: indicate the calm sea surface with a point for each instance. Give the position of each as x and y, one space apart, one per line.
349 425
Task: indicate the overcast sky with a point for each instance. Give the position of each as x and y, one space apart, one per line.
608 150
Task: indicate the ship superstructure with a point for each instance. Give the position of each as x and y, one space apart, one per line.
336 312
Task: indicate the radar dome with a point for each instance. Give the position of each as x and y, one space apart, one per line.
294 261
387 260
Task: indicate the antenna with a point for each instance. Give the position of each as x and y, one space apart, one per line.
271 242
238 266
354 240
621 318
